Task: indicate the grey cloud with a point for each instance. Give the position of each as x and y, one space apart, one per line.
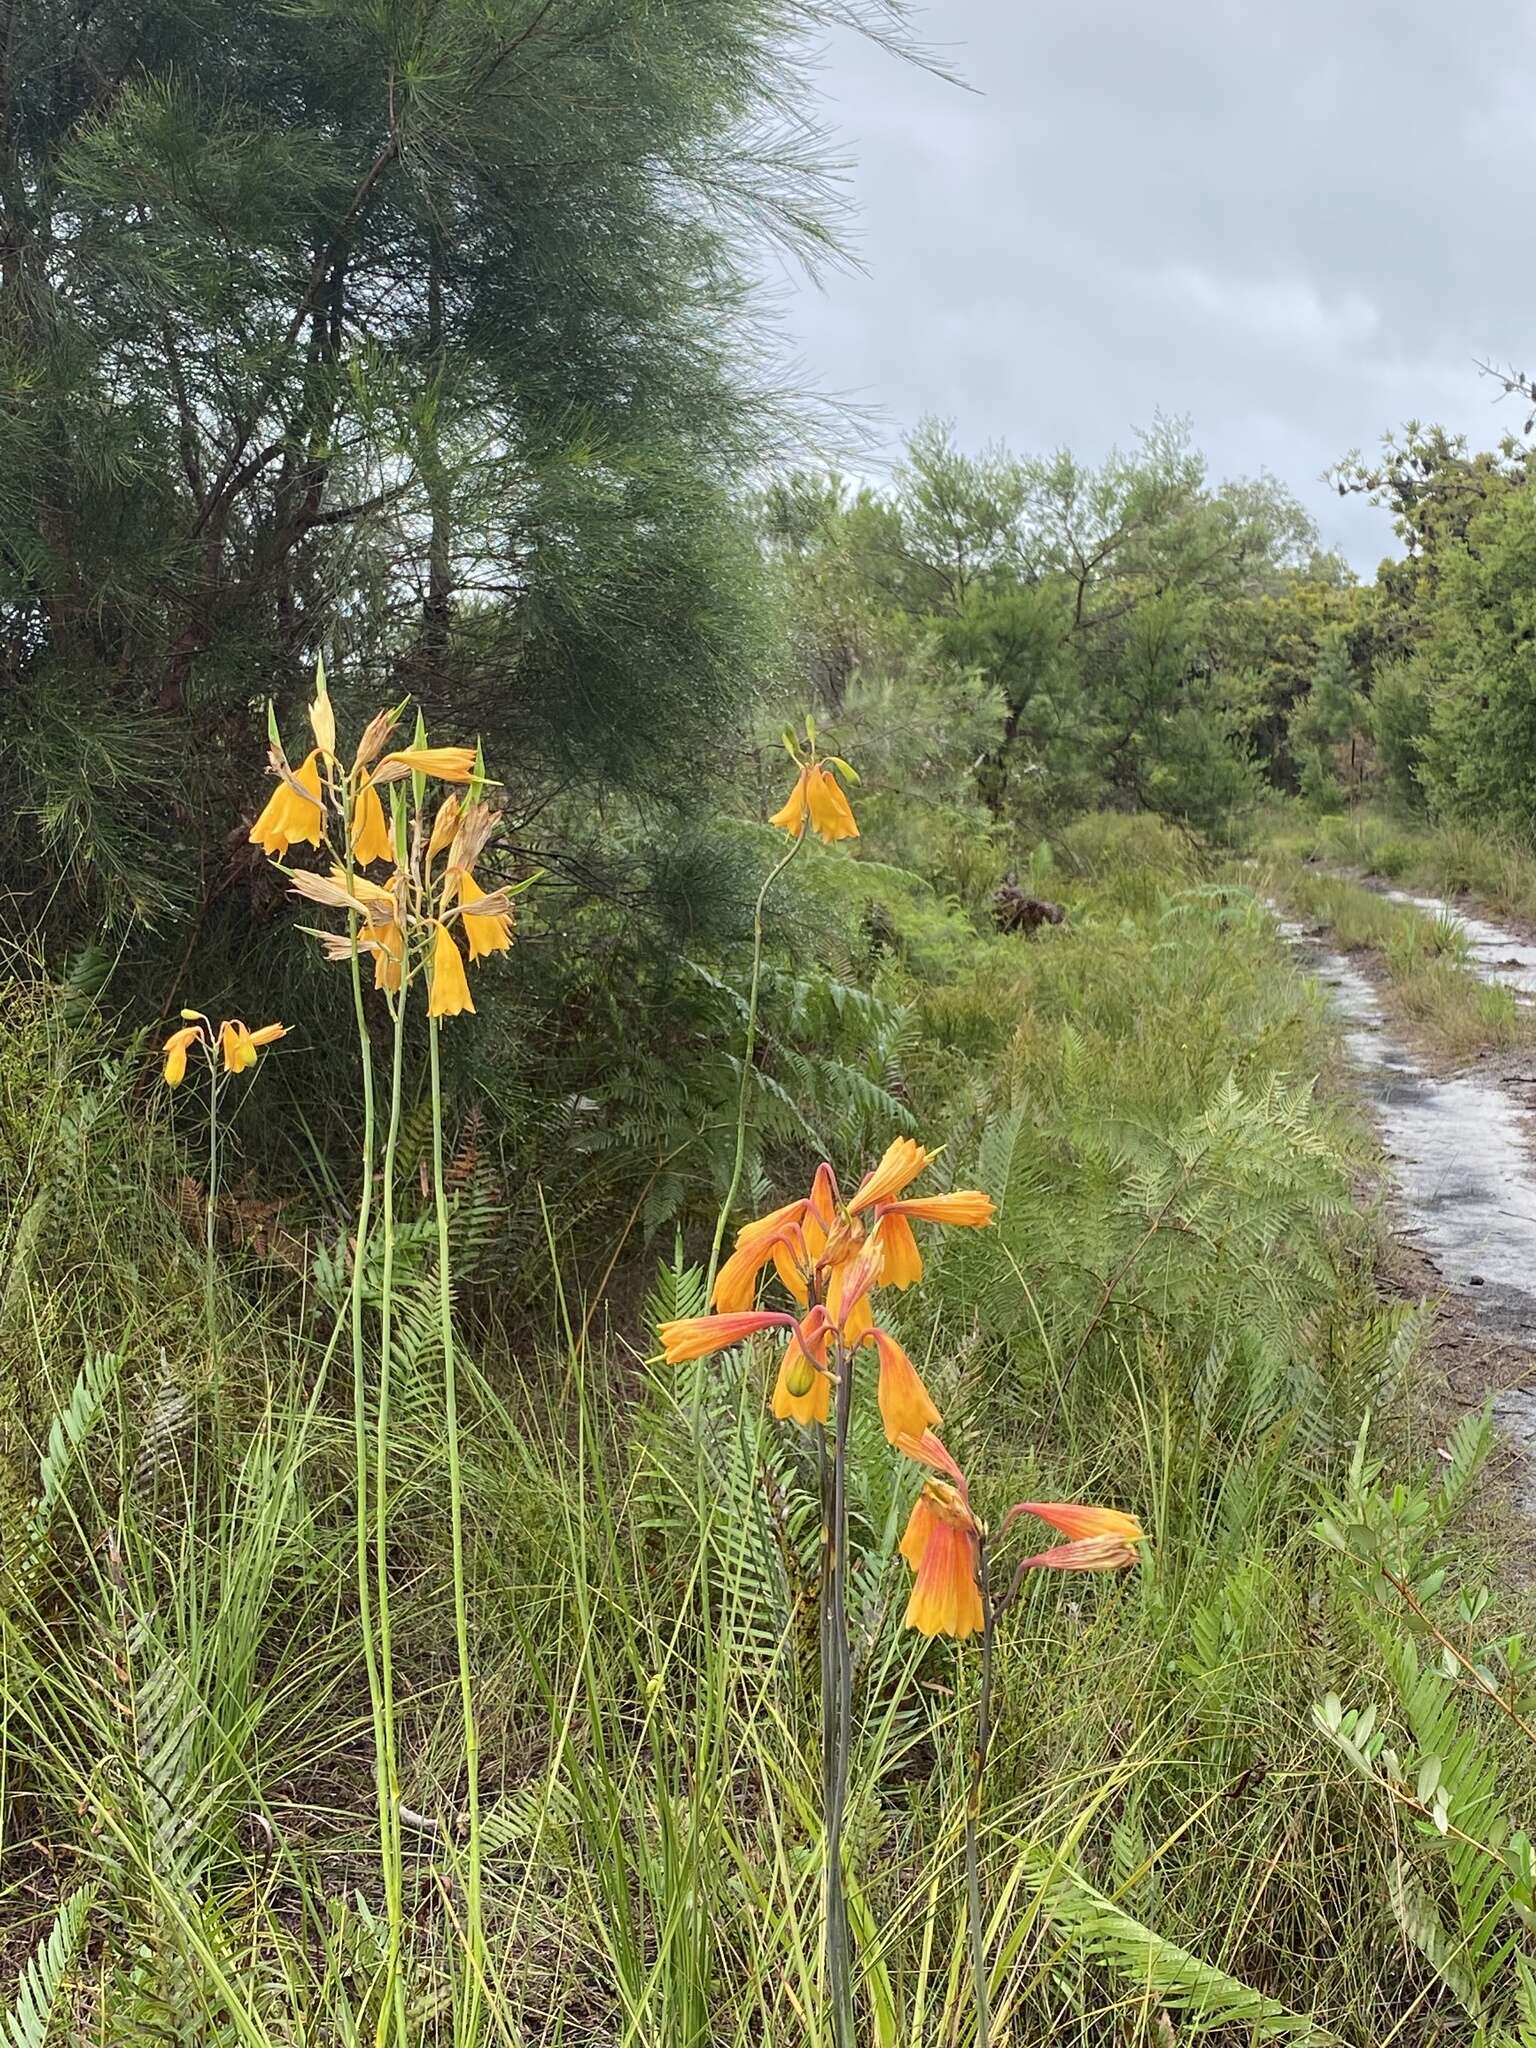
1299 224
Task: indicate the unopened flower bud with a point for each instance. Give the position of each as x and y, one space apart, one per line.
800 1376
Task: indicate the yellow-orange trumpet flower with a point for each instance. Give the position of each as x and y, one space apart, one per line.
1102 1539
175 1049
371 836
448 986
940 1546
899 1165
487 931
292 817
702 1336
773 1239
240 1046
1078 1521
816 799
906 1407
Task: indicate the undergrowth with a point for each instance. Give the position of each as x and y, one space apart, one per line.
1176 1311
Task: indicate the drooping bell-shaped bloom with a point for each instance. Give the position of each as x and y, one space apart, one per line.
448 986
371 837
292 816
240 1046
940 1546
758 1244
907 1408
386 942
176 1048
486 931
816 799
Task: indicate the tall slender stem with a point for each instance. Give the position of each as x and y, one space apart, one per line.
838 1654
392 2006
733 1187
977 1927
395 1893
475 1975
210 1216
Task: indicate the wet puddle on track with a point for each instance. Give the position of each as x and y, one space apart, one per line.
1461 1157
1493 954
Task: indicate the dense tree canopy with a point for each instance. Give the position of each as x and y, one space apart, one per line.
415 331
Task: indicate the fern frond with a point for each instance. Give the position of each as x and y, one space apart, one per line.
39 1999
1203 1996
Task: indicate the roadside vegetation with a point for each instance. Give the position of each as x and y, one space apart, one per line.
1420 957
415 1627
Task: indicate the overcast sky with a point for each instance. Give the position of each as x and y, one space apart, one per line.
1300 224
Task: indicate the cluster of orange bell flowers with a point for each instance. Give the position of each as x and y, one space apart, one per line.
431 896
832 1256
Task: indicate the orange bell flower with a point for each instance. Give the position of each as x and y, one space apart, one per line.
240 1047
486 931
175 1050
940 1546
816 800
906 1406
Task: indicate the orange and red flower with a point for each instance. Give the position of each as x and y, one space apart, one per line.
1100 1539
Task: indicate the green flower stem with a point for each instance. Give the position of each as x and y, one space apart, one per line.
475 1975
837 1730
738 1163
391 1753
210 1216
393 2003
977 1929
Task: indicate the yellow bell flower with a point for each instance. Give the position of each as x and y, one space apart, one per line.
240 1046
371 836
291 819
175 1049
387 944
816 798
448 991
487 933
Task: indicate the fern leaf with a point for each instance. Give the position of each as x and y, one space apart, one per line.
40 1994
1203 1995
